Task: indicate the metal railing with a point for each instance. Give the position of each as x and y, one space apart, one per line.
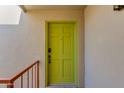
33 79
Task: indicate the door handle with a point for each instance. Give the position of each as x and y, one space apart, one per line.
49 57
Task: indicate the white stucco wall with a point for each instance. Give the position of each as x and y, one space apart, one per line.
104 47
23 44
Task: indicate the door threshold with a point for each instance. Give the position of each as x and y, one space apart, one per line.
61 86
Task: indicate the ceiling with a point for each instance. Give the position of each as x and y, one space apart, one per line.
39 7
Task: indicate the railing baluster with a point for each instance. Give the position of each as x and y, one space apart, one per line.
32 77
35 77
22 81
28 78
38 75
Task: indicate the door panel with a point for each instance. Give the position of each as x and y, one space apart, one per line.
54 71
61 42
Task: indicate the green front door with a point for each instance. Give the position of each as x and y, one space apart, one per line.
61 53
